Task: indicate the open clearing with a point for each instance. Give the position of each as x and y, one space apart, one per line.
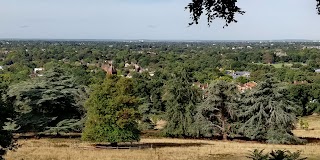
162 148
314 128
277 65
281 65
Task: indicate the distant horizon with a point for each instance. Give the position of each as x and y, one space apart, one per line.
155 20
161 40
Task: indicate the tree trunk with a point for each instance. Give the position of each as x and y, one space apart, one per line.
225 136
304 109
224 130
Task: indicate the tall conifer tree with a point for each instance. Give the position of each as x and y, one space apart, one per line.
6 139
181 100
267 114
219 106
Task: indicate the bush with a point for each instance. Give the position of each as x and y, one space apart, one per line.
275 155
258 155
304 124
285 155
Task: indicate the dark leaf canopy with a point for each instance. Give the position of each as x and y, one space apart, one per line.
318 6
6 138
223 9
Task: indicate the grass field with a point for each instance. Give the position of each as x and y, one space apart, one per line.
314 128
162 148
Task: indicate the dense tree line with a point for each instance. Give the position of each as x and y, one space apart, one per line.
74 92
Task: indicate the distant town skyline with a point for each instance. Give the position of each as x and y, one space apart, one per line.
154 20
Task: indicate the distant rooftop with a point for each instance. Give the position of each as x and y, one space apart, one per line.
238 74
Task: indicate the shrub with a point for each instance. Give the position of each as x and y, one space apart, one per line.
275 155
304 124
258 155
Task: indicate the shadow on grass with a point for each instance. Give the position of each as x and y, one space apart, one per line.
311 140
148 145
78 136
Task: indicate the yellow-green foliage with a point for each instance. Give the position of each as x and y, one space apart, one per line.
112 112
304 124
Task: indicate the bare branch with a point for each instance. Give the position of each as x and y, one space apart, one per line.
219 127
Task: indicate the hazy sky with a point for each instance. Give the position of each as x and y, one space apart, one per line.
154 19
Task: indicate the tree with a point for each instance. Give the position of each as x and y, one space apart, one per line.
267 114
300 94
242 80
43 102
268 58
224 9
306 96
181 99
6 139
148 89
219 106
112 112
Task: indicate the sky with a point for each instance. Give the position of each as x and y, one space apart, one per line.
154 20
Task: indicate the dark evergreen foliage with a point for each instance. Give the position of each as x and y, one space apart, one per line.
219 106
146 121
6 138
66 126
268 115
181 100
45 101
306 97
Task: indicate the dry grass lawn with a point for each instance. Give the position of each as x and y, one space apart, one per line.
168 149
163 148
314 127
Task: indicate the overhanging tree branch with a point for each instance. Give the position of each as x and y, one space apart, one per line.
223 9
318 6
218 9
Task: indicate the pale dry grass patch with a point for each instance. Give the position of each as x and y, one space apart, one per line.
307 133
314 127
163 148
170 149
